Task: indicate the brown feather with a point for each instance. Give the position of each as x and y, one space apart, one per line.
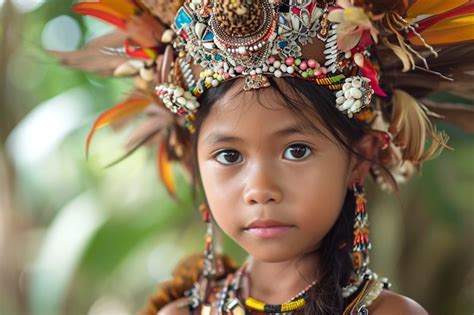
460 115
92 58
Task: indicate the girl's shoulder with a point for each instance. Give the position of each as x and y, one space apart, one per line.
390 303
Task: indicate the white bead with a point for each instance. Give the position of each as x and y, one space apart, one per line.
264 68
178 92
290 70
277 73
277 64
253 72
259 70
242 50
271 69
215 83
283 67
188 95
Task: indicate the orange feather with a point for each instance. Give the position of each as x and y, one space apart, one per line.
114 12
165 169
422 7
119 112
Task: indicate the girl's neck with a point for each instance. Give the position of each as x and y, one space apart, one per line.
277 282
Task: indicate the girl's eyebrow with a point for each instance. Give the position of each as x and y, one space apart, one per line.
297 128
219 137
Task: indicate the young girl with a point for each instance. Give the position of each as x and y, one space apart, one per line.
284 108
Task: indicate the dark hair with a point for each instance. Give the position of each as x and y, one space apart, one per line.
304 97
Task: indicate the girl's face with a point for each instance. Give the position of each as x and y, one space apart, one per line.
275 186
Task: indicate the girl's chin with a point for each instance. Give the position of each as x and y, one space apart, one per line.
274 253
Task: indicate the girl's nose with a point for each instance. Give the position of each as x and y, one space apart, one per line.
262 186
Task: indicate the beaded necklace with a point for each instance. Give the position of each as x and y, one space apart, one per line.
229 303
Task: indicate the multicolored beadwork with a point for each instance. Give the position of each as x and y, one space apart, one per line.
255 45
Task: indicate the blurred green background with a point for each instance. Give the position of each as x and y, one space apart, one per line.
78 238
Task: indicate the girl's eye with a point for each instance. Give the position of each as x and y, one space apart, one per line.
297 152
228 157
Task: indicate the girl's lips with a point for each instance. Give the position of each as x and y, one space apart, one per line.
269 231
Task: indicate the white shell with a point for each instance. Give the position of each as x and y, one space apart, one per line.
346 85
356 93
125 70
147 74
357 84
340 100
167 36
179 92
347 94
356 106
347 104
181 101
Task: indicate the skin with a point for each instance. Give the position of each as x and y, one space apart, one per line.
258 160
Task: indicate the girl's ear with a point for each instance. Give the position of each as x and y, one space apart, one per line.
367 148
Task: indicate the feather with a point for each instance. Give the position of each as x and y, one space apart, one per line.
114 12
125 109
165 10
158 119
165 168
422 7
453 25
460 115
145 30
450 31
93 57
411 129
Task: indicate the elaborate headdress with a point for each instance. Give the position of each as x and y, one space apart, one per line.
382 59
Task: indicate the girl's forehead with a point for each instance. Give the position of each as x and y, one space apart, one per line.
255 114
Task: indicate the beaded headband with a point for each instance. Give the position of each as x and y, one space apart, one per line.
177 50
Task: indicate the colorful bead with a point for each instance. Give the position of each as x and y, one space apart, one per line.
312 63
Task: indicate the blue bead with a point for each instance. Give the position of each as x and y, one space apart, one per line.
182 18
209 36
282 44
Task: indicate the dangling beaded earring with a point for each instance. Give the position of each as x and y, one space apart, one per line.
361 243
211 268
